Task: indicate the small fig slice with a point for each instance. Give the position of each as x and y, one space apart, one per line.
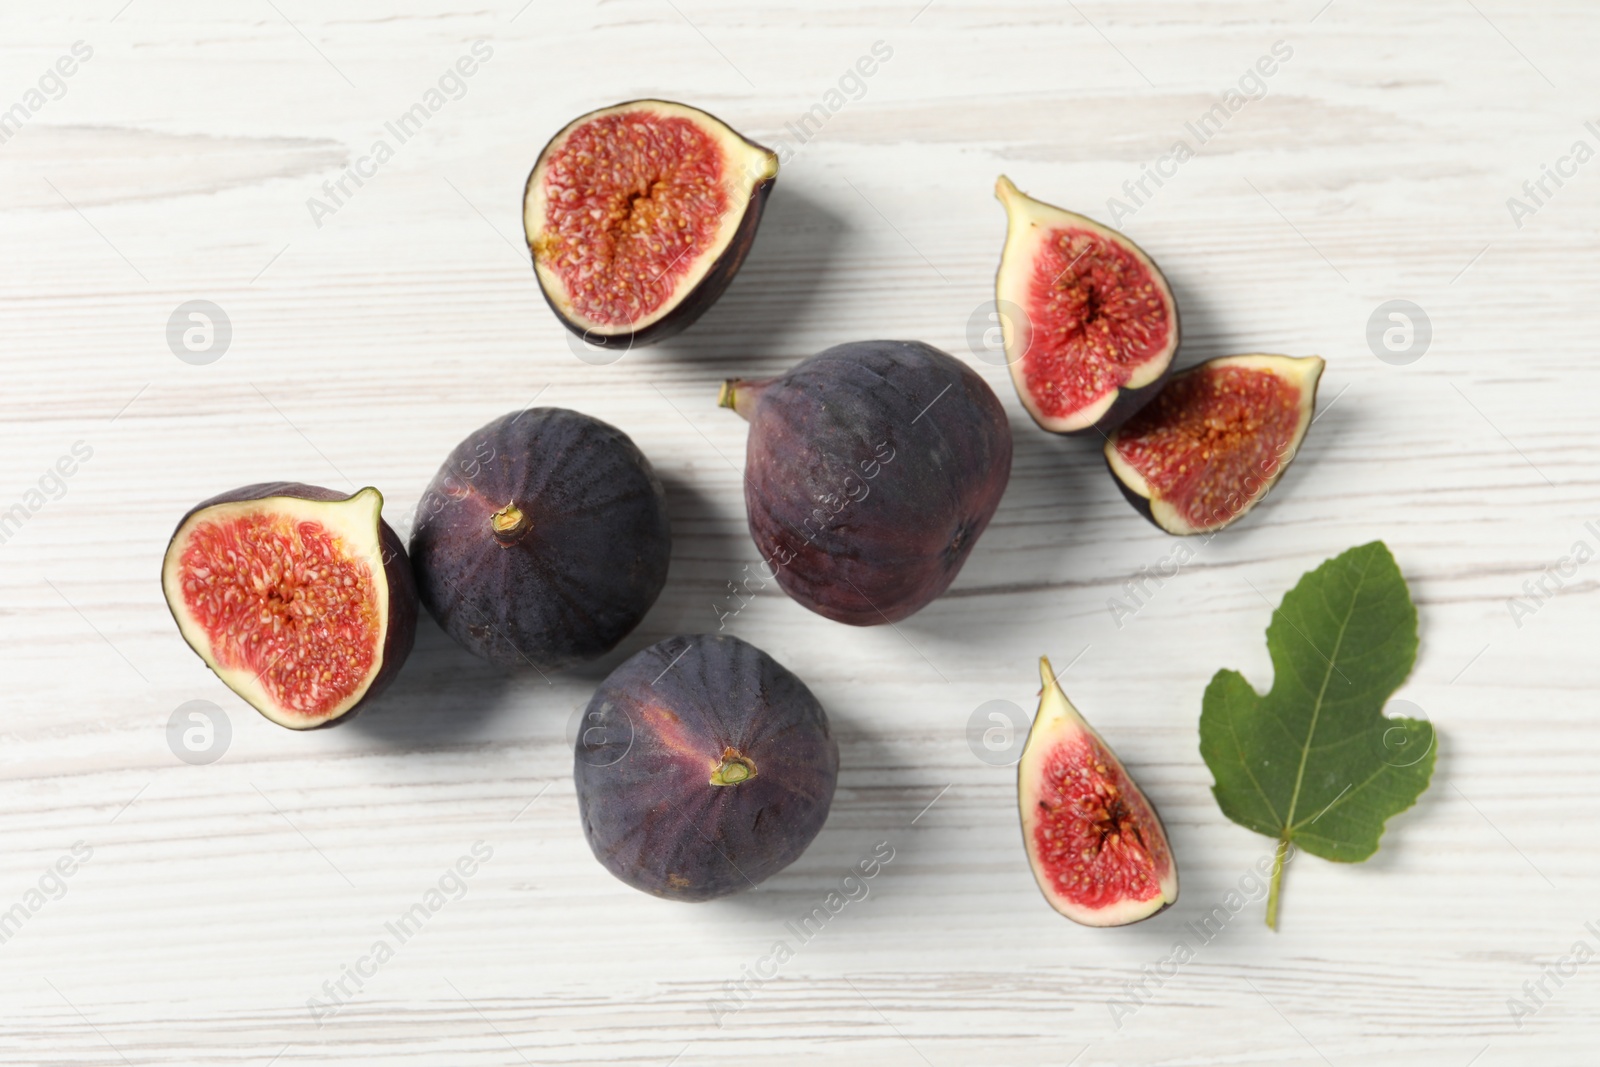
1096 845
703 767
639 215
871 470
299 598
543 540
1214 442
1088 321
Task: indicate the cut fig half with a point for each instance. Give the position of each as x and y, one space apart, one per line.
1096 845
1089 323
639 215
299 598
1214 442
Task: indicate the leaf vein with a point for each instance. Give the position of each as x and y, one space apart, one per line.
1316 708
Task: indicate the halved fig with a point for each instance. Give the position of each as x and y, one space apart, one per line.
1217 438
1088 321
298 597
639 215
1096 845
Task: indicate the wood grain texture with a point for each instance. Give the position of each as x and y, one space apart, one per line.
217 899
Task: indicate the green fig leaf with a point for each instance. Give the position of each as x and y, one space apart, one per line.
1315 763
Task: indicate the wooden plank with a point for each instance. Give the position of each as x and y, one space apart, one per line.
216 901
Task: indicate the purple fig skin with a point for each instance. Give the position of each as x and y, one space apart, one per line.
402 629
870 472
662 727
579 570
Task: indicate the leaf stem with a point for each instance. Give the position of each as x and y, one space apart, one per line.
1277 882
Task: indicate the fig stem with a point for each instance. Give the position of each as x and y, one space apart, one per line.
1277 882
733 769
508 524
741 396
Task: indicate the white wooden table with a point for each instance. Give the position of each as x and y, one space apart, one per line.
208 903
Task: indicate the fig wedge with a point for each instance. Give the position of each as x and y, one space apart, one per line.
1096 845
1089 323
1215 441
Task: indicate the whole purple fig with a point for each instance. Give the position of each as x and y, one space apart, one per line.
543 540
703 767
871 470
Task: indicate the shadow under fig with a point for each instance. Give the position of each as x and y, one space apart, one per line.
443 694
775 290
707 552
1201 333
